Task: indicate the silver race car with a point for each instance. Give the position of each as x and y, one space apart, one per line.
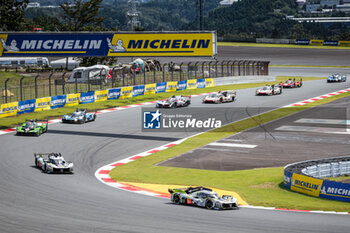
269 90
220 97
53 163
174 102
202 197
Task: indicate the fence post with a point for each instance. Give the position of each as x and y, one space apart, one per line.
181 70
254 67
63 83
188 70
154 75
195 69
76 83
222 68
36 86
209 68
164 71
216 69
144 76
6 89
123 77
50 76
203 63
239 68
21 87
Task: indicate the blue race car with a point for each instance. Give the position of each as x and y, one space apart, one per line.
79 116
336 78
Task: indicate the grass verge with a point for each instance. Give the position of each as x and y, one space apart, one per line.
8 122
242 44
257 186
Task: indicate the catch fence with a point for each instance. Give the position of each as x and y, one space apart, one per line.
45 84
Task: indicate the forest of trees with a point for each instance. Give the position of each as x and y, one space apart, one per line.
243 21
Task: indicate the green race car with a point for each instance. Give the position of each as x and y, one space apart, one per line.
32 127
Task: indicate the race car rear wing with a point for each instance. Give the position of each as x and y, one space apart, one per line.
46 155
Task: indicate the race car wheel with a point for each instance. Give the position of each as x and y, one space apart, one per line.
209 204
36 163
174 105
176 199
94 118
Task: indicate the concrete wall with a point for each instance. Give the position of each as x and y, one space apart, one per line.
243 79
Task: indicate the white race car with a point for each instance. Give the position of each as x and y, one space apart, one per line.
53 163
220 97
269 90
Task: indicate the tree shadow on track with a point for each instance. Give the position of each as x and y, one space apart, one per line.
113 135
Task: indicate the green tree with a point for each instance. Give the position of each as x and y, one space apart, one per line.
82 15
12 15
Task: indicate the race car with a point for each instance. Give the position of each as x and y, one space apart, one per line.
174 102
269 90
79 116
202 197
53 163
336 78
220 97
32 127
291 83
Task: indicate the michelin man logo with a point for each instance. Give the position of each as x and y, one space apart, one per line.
152 120
116 48
10 48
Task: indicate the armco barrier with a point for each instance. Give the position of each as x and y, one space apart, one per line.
305 177
47 103
240 80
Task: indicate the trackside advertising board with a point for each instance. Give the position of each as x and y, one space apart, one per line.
317 187
102 44
59 101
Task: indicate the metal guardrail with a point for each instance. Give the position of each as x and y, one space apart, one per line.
328 169
56 83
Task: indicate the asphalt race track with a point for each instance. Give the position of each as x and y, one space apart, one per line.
32 201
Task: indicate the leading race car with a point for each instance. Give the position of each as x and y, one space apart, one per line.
174 102
32 127
291 83
53 163
269 90
79 116
336 78
202 197
220 97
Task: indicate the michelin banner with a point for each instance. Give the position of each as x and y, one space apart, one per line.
101 95
35 105
335 190
87 97
171 86
181 85
209 82
138 90
126 92
72 99
305 184
58 101
200 83
9 109
150 89
192 84
114 93
161 87
101 44
43 104
26 106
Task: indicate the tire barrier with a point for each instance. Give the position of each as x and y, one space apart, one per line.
306 177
